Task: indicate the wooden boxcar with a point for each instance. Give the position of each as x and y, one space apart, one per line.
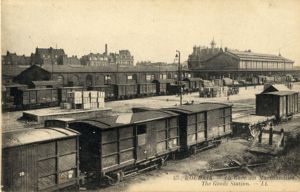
201 123
194 83
125 91
282 104
146 89
35 98
9 94
162 86
116 146
107 89
63 92
42 159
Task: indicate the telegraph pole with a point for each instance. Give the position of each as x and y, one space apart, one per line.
179 76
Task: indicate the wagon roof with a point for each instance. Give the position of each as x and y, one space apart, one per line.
165 80
281 93
252 119
29 136
124 84
275 87
127 119
75 87
15 85
189 109
100 86
193 79
40 83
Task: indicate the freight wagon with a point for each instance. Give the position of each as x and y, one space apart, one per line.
125 91
146 89
63 93
163 86
282 104
118 146
107 89
36 98
202 124
193 83
9 93
42 159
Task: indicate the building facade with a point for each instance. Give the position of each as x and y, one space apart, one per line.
123 58
202 53
14 59
48 56
246 61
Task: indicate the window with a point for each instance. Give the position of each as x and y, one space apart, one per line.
163 76
129 77
141 134
149 77
141 129
107 79
242 64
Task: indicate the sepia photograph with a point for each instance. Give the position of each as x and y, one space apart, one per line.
150 96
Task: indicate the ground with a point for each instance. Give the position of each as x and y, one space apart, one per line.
189 173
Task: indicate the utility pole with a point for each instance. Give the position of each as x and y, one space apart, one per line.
179 76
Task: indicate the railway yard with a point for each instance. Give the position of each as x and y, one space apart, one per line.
195 169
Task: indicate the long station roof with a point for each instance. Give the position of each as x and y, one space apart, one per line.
247 55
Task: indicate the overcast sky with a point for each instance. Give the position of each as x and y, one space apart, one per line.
151 30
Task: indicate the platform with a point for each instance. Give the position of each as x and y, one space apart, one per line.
40 115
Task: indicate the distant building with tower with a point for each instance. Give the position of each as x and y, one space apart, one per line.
202 53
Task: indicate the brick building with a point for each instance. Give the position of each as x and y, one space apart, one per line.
123 58
202 53
14 59
48 56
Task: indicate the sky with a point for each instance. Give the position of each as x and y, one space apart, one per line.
151 29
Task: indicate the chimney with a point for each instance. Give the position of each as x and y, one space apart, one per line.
105 49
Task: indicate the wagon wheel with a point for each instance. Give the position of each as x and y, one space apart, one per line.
113 180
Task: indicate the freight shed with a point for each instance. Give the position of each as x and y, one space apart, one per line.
282 104
201 123
123 144
43 159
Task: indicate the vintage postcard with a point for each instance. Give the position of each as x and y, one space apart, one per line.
153 95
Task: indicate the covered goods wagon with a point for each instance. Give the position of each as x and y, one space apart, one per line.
123 145
201 123
107 89
194 83
162 86
63 93
125 91
146 89
42 159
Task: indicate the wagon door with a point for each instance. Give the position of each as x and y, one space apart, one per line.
141 144
19 166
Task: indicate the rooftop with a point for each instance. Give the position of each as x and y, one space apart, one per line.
28 136
189 109
248 55
127 119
